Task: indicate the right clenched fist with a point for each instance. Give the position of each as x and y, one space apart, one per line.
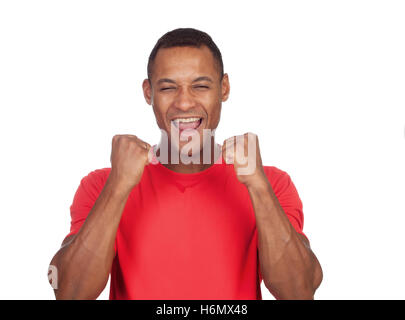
129 156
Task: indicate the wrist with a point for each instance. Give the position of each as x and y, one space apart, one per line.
118 185
257 182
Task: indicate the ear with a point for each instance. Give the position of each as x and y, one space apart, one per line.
147 91
225 87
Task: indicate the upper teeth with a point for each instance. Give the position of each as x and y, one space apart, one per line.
176 121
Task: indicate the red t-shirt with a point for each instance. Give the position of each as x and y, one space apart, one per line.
187 236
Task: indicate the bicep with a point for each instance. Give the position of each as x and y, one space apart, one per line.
84 199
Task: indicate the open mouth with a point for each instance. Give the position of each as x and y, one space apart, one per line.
183 124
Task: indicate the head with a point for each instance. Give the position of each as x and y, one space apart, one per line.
186 80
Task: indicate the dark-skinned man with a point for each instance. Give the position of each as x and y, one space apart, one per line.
186 218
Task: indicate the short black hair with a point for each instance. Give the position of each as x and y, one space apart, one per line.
186 37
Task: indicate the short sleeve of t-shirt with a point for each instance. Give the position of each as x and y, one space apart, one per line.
85 197
288 198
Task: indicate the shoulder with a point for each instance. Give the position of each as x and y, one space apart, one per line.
280 181
95 180
98 174
288 196
275 175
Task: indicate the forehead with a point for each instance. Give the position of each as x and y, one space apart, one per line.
184 63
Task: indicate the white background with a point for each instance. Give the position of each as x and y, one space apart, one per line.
322 83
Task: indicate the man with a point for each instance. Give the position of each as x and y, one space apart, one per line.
183 219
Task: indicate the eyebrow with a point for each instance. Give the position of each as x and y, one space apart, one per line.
203 78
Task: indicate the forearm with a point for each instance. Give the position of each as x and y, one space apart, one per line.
289 268
83 265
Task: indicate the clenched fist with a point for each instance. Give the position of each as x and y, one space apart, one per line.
244 153
129 156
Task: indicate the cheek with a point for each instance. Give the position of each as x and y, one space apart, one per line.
160 116
214 112
160 107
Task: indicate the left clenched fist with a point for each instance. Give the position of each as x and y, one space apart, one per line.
244 153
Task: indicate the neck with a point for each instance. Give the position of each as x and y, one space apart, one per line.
192 167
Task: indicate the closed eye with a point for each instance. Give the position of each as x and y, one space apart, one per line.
168 88
201 87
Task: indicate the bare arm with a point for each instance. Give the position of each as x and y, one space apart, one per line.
289 268
84 261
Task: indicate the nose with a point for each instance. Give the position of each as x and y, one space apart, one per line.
184 100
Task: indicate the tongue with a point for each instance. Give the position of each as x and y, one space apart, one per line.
189 125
